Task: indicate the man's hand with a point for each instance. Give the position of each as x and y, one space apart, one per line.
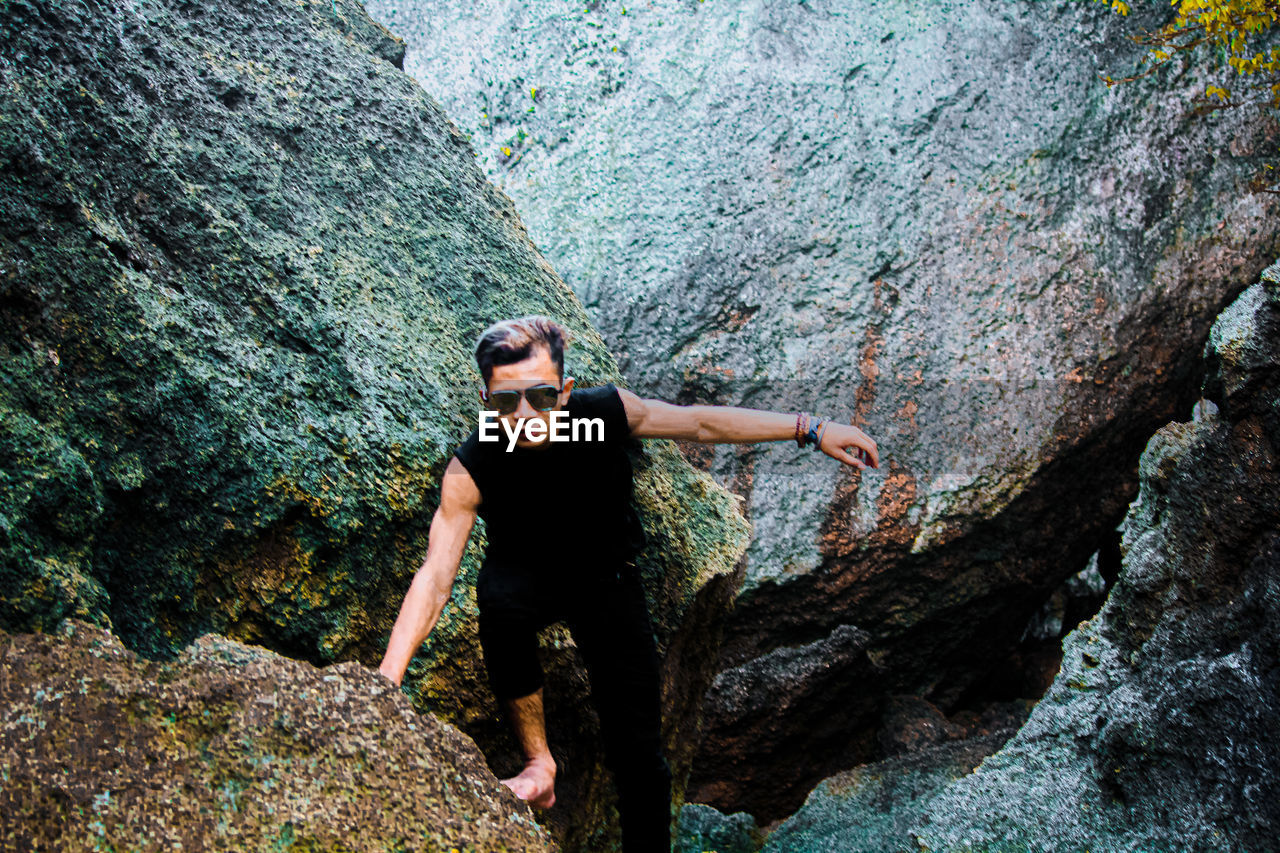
385 669
837 437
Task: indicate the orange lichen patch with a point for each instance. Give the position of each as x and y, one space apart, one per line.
702 368
867 365
872 344
896 498
697 454
837 538
908 414
733 319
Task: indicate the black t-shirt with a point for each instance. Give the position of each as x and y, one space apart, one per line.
569 501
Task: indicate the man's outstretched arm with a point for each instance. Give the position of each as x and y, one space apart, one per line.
731 424
450 527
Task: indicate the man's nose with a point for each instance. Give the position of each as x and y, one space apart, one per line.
524 410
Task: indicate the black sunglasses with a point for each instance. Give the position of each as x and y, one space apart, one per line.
541 397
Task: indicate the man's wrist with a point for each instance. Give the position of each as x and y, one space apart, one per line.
809 429
802 426
812 434
821 430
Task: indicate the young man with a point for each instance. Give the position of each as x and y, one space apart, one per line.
562 541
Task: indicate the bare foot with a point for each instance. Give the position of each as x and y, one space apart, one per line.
536 783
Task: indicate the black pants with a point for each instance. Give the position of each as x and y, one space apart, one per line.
604 608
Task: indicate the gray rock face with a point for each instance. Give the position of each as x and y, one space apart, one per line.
870 809
232 747
702 828
1159 733
932 220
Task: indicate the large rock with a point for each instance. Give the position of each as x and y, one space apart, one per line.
230 746
1159 733
243 261
933 220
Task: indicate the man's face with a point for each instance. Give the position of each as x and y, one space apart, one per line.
537 369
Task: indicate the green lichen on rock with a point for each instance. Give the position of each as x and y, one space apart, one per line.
243 262
869 809
243 259
702 829
230 746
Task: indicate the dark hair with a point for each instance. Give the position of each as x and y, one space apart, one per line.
510 341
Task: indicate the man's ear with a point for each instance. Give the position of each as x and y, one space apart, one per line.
568 385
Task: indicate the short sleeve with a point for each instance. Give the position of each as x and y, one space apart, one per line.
467 454
603 402
609 407
616 418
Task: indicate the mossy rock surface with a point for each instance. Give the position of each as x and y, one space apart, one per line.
233 747
243 261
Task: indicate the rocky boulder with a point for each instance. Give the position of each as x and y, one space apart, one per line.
243 261
1159 732
870 809
232 746
932 220
702 829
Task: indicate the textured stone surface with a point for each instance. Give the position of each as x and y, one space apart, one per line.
932 219
1159 733
243 260
702 829
869 809
231 746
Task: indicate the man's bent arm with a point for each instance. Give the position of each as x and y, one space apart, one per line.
450 528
